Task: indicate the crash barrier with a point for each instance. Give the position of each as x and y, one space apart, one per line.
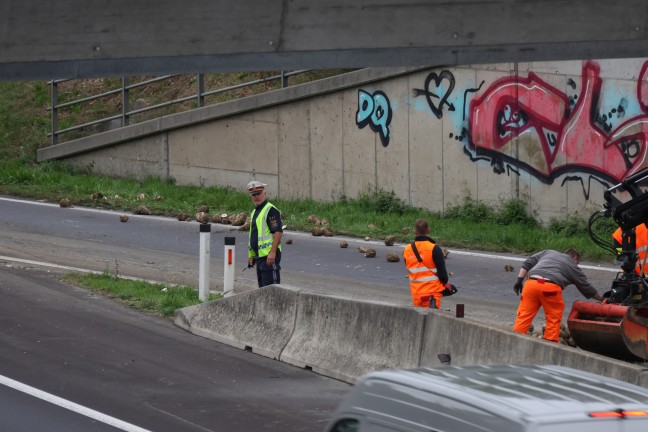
469 342
261 321
345 338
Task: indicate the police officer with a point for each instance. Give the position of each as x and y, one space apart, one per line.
264 241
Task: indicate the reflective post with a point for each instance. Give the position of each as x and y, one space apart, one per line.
228 266
203 273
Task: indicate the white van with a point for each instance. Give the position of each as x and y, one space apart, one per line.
491 399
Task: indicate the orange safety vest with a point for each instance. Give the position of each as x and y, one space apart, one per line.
422 275
641 242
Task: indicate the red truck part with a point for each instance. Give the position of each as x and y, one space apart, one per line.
610 329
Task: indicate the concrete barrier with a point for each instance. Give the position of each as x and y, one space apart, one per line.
261 320
344 338
471 343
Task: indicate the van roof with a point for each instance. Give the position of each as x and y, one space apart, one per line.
516 391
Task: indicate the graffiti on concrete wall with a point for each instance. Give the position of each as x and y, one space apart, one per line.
582 132
374 110
528 124
437 90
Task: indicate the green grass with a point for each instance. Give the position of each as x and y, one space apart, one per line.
24 120
159 299
507 228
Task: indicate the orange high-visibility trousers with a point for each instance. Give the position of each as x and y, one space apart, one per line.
536 294
425 300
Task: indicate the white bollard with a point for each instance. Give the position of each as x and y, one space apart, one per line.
203 273
230 258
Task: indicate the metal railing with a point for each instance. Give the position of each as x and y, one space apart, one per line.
126 113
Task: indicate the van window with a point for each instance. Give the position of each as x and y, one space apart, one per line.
346 425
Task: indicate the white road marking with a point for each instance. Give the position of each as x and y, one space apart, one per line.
512 258
89 209
72 269
46 264
96 415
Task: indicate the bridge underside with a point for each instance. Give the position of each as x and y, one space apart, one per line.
86 38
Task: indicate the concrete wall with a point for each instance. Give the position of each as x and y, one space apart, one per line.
146 157
345 339
554 134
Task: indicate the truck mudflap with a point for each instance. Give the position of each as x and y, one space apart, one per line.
612 330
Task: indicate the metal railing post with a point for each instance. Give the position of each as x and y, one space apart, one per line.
125 102
201 90
284 79
54 112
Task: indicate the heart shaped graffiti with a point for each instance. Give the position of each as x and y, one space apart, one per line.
435 80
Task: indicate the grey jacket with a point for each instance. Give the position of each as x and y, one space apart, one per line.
560 269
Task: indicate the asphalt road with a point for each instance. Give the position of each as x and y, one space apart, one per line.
141 370
146 372
23 412
166 250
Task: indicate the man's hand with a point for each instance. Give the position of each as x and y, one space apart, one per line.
270 259
517 288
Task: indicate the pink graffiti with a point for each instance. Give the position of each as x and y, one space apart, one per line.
569 139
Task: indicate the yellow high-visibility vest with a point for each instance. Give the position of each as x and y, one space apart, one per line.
264 239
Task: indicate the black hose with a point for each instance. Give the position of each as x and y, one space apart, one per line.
602 243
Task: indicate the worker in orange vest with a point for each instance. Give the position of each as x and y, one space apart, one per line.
641 246
426 268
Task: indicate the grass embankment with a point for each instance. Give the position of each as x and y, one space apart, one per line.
473 225
24 124
159 299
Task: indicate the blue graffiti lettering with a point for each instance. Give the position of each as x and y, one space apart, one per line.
365 108
375 111
381 114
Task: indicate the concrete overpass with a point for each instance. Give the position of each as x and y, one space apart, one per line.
85 38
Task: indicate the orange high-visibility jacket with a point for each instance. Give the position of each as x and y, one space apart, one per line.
641 240
422 275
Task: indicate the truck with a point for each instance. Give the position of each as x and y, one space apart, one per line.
618 326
